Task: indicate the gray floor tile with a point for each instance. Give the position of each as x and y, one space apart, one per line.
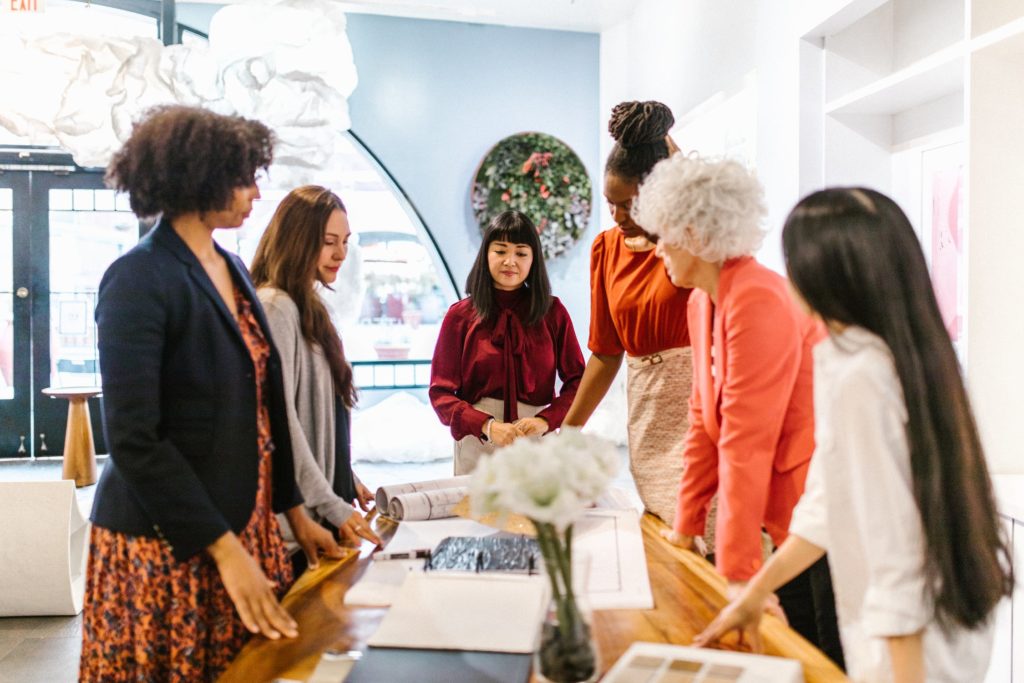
42 660
60 627
7 643
22 626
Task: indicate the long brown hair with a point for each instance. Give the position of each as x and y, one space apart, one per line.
287 258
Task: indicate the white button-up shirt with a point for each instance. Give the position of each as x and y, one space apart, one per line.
859 506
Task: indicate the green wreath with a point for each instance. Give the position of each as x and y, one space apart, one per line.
541 176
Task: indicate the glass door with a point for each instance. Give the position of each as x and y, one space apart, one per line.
79 229
15 319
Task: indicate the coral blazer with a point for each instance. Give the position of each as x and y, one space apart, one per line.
751 432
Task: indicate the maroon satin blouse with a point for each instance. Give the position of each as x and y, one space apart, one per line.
505 359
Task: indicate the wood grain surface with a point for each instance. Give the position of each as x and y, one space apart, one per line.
687 595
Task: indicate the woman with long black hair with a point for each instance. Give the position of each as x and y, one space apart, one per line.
898 492
499 350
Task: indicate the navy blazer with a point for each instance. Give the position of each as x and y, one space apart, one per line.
179 400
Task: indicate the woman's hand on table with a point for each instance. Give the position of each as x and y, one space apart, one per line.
694 544
743 615
771 604
313 538
250 590
531 426
679 540
364 497
354 529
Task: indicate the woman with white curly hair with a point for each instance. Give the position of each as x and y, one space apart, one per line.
751 427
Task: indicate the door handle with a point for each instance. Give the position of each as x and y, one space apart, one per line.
21 292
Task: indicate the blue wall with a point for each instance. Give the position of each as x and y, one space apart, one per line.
434 96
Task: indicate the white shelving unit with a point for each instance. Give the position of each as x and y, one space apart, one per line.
894 77
908 87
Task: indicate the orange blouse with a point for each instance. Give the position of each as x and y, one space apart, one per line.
634 307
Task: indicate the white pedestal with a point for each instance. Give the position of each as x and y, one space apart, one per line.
44 540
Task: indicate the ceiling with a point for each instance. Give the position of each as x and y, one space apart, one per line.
568 15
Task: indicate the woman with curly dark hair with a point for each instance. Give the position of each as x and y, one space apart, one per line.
184 533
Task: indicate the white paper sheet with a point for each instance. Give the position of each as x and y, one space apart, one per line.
485 612
616 498
421 535
380 583
609 546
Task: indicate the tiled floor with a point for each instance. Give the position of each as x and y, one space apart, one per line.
46 649
39 649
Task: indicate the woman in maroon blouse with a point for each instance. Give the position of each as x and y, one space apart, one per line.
493 375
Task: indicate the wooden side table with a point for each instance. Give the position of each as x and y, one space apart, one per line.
79 447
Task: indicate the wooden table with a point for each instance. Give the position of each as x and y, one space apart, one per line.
687 595
79 447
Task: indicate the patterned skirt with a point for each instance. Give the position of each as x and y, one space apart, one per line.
149 617
658 394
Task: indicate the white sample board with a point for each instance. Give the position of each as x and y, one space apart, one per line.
661 663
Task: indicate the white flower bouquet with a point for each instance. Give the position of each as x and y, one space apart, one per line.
551 480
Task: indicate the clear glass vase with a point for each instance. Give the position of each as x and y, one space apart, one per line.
567 652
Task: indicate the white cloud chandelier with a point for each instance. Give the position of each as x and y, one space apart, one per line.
287 63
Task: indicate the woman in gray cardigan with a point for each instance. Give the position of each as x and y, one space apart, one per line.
305 243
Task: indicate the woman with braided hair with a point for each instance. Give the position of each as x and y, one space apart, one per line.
636 312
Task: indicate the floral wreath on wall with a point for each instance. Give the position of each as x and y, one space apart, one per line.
541 176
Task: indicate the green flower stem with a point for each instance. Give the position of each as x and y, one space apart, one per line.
545 541
558 560
563 553
568 557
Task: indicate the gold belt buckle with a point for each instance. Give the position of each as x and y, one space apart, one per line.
653 359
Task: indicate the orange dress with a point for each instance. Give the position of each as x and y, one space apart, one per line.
149 617
634 307
636 310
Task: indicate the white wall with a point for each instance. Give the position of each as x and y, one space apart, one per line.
685 53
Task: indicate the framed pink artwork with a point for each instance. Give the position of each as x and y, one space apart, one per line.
943 231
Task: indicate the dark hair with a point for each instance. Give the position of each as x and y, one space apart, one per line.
287 258
853 256
639 130
183 159
516 228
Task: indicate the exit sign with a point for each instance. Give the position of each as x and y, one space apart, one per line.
22 5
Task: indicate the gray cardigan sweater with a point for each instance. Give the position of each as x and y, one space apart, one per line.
309 389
